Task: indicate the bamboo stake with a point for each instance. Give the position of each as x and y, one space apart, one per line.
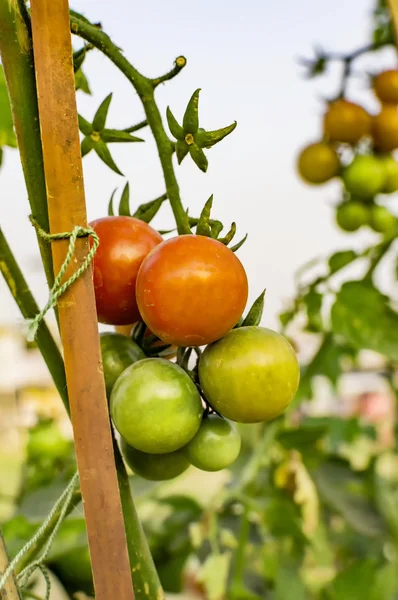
393 6
79 331
10 590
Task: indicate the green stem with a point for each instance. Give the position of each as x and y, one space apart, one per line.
145 578
145 89
17 59
379 252
237 579
22 295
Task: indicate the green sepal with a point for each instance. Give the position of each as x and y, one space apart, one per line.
78 58
182 150
138 333
239 244
198 157
190 121
111 212
239 323
203 226
207 139
216 228
124 206
85 127
254 315
101 114
86 146
147 211
175 128
81 82
117 135
103 152
229 236
156 350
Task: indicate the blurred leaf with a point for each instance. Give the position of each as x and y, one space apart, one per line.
7 135
385 583
313 304
339 260
288 585
336 484
386 492
17 531
355 582
287 317
36 505
303 438
362 315
255 314
101 114
214 574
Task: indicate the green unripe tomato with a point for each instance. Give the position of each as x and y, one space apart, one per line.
155 467
391 172
46 441
318 163
155 406
118 352
215 446
381 220
350 216
250 375
364 177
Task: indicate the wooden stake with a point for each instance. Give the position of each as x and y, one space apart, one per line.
393 6
10 590
77 314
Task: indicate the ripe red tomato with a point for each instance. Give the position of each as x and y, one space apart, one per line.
191 290
124 243
385 128
385 86
346 122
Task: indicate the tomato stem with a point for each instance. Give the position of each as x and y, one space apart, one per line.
145 89
17 60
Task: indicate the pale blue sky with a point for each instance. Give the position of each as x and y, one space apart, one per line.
243 56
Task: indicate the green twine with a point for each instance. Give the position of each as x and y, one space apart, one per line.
65 501
57 290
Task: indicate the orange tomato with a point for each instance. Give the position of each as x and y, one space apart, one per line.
385 86
346 122
385 128
191 290
317 163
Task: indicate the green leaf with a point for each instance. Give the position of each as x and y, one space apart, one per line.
124 206
255 314
103 152
288 585
199 157
86 146
182 150
203 227
101 114
190 121
339 260
385 583
78 58
229 236
79 16
175 128
7 135
85 127
344 491
216 228
111 212
207 139
304 438
116 135
287 317
362 315
313 303
81 82
214 575
239 244
355 582
147 211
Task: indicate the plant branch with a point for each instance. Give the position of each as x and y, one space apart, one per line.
379 253
145 89
136 127
179 64
17 59
22 295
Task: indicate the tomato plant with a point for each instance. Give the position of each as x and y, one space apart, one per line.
180 279
124 243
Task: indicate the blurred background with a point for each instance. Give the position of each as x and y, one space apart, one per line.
307 529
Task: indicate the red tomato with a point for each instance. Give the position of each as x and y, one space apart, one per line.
191 290
124 243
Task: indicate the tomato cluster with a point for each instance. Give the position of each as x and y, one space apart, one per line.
187 292
358 148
